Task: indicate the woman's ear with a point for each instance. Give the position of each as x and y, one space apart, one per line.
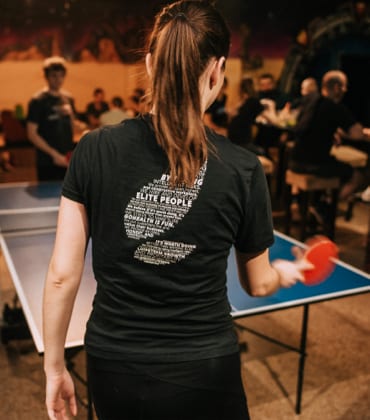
212 81
217 71
222 63
148 64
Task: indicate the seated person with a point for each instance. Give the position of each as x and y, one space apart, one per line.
268 134
96 107
322 120
241 124
288 115
267 89
309 86
216 116
137 103
115 114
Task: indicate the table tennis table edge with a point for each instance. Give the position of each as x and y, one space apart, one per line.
38 210
36 335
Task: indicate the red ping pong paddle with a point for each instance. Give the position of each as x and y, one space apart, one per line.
69 155
320 253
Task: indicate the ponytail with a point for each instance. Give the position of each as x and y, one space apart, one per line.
186 36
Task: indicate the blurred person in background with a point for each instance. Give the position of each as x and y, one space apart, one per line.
50 122
115 114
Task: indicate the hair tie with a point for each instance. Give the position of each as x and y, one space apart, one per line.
180 15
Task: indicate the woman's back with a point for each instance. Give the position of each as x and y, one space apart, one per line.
160 252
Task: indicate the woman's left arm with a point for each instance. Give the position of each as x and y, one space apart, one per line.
61 286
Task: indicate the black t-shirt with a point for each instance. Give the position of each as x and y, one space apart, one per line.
54 126
160 253
96 112
280 98
314 143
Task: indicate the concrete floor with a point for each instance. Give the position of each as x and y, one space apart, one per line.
337 376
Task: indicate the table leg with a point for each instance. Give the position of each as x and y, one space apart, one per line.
367 248
302 358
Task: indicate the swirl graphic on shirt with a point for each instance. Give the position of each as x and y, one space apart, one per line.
155 209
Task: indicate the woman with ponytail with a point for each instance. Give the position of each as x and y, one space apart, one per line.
163 199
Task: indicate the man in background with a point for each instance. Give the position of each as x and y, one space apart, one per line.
50 122
115 114
271 97
267 89
96 107
323 122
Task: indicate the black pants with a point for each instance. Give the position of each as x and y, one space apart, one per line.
127 391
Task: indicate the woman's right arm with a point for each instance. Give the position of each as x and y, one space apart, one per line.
61 286
260 278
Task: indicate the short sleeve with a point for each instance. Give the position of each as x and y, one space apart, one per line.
77 179
345 117
34 111
256 233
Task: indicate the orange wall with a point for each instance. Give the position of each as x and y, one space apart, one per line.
20 80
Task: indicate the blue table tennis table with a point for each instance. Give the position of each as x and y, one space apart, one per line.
28 214
345 280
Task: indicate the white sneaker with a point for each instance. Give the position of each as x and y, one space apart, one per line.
365 195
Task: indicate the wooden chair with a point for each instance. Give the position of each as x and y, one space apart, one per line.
306 185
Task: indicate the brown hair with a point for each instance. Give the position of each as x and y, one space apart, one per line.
54 63
186 35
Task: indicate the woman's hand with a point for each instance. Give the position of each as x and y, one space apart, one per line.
292 271
60 396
